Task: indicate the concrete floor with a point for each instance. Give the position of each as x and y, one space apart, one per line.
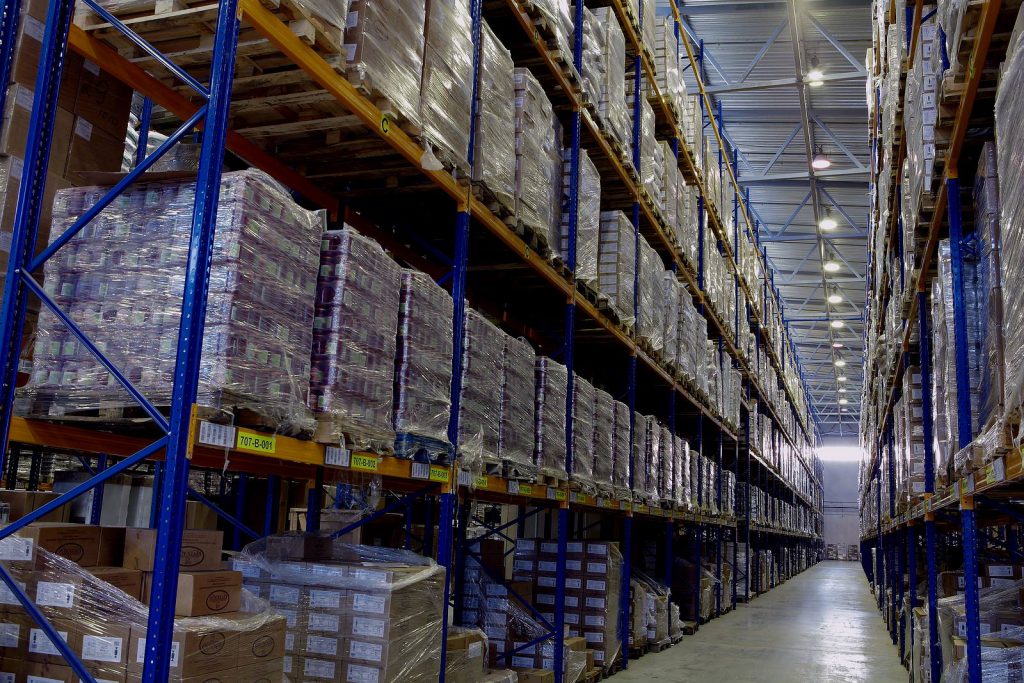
821 626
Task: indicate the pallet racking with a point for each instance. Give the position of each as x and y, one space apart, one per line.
540 298
961 514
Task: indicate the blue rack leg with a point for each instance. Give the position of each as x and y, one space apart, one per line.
96 511
563 537
624 602
444 558
170 518
971 604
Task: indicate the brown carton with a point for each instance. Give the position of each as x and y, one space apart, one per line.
208 592
536 676
192 654
103 100
14 628
18 114
41 649
79 543
128 580
200 549
262 644
269 671
92 150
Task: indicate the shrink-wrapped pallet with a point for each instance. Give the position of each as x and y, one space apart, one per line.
483 347
538 160
121 280
447 90
423 367
583 431
354 342
666 472
670 187
667 53
1009 134
494 156
652 310
620 450
986 223
594 57
515 446
670 304
604 441
617 264
639 467
652 158
614 114
549 444
681 472
652 460
696 481
588 218
384 43
355 612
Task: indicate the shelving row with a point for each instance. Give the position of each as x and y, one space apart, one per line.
388 162
941 462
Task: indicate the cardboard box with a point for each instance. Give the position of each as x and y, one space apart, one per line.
193 655
79 543
536 676
263 644
41 649
128 580
92 150
14 627
209 592
269 671
200 549
26 56
103 100
14 135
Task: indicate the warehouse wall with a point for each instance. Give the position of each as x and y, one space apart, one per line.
842 525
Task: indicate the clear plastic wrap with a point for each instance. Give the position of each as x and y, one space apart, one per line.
667 53
483 347
552 389
494 159
106 626
384 43
1002 633
670 188
121 280
617 264
466 655
1009 133
354 342
588 218
670 303
518 391
594 57
583 401
538 160
620 450
604 438
423 367
447 90
354 612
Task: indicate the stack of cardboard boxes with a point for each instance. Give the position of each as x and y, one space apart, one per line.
90 582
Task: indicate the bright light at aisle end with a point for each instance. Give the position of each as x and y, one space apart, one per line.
840 453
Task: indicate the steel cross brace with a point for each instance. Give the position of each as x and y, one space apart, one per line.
391 507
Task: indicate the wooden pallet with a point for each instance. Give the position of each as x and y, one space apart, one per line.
332 430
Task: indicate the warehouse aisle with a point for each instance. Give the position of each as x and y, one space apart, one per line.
820 626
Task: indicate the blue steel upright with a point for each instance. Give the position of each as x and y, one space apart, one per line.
170 516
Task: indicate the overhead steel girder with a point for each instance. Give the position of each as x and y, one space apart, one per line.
802 175
811 237
780 83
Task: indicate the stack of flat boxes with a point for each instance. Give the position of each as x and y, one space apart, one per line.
913 419
384 627
592 588
106 628
617 263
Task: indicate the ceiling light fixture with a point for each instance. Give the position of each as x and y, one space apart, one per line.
831 266
841 378
840 363
842 391
820 162
827 222
843 401
835 299
815 77
837 345
836 324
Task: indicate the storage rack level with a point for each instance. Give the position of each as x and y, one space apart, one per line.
547 297
906 535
